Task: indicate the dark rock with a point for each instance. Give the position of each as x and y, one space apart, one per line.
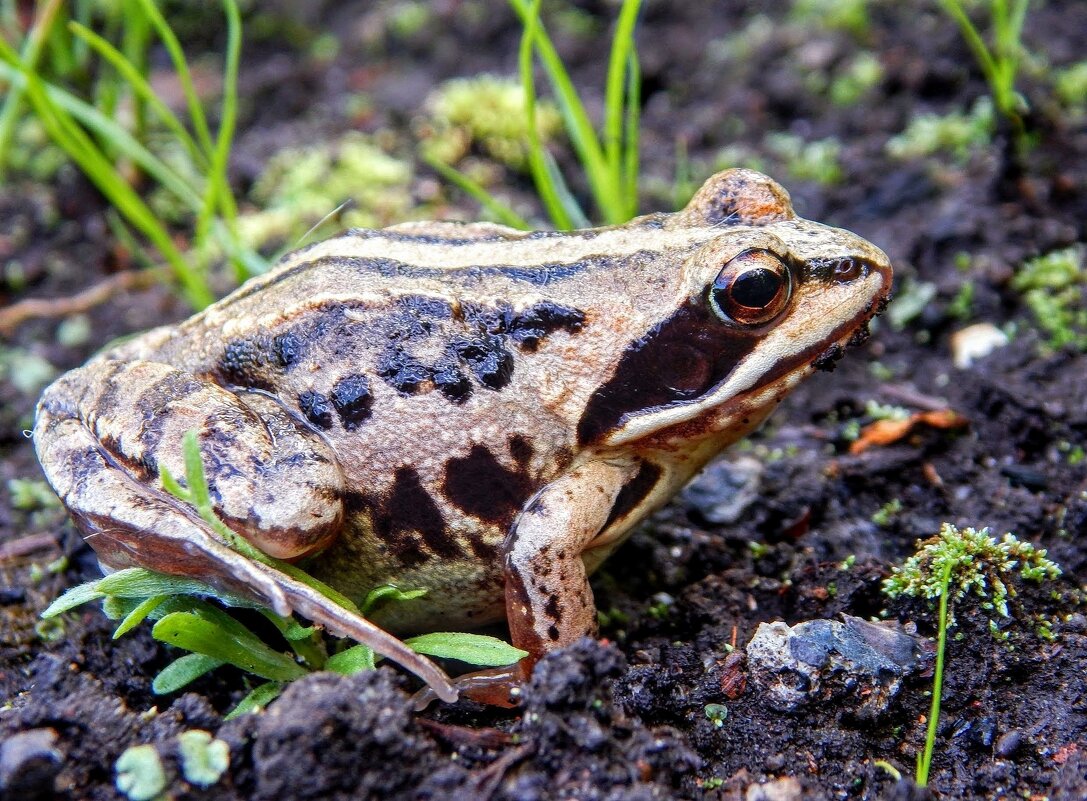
29 763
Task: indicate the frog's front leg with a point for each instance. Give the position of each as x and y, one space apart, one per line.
549 603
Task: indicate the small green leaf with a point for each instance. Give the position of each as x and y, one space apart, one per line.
203 759
173 486
194 470
182 671
388 592
295 631
257 700
353 660
84 593
475 649
246 651
137 615
140 775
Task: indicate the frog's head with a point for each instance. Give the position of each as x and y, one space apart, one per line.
762 303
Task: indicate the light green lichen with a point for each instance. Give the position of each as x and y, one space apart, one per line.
980 566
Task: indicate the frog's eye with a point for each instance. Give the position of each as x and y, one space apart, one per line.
752 288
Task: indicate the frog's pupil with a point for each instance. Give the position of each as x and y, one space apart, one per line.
756 288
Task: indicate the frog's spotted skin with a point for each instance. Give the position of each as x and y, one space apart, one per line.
477 411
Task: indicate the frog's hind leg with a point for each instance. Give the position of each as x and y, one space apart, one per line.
272 480
101 434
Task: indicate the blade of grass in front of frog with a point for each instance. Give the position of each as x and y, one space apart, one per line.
183 670
387 592
541 176
502 212
32 49
205 635
475 649
258 698
304 640
617 97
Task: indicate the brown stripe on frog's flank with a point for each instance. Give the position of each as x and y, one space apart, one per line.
479 485
520 449
674 363
634 492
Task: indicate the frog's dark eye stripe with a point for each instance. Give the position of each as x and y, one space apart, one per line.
752 288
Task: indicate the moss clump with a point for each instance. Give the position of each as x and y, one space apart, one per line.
980 565
958 133
300 186
485 111
1053 289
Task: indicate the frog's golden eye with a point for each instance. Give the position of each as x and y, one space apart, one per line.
752 288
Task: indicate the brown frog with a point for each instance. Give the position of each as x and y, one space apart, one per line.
472 410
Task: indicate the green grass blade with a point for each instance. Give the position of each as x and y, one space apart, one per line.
199 635
32 49
218 195
177 56
88 157
622 45
503 213
182 671
562 192
576 119
105 127
543 178
353 660
632 131
258 698
141 88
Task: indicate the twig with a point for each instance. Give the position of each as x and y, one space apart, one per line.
11 317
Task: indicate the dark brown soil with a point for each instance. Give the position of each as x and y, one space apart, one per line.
627 719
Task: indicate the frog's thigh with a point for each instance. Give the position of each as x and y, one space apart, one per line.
271 480
548 599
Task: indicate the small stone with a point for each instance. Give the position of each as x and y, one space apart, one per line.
29 762
785 789
725 490
975 342
856 664
1009 744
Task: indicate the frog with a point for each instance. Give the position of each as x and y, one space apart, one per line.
471 410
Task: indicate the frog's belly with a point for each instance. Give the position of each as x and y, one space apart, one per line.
463 591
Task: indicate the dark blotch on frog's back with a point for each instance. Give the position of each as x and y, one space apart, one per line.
520 449
673 364
352 401
245 363
317 408
479 485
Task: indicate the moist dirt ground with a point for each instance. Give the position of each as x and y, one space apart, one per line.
792 526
